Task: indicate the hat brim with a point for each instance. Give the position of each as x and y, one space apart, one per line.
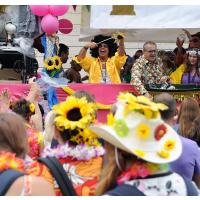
108 134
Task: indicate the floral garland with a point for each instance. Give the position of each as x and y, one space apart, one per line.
141 169
79 152
10 161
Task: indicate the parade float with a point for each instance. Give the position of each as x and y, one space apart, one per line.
46 23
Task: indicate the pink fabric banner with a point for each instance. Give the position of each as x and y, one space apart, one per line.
104 93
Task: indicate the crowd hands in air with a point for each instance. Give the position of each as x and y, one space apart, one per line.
148 146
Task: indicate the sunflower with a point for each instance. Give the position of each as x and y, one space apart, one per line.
74 113
49 63
118 36
143 131
57 62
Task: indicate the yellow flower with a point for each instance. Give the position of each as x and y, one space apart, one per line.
57 62
126 97
110 119
169 145
89 138
139 153
49 63
118 35
74 113
163 154
32 107
143 131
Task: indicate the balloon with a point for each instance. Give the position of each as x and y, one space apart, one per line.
40 10
65 26
58 10
49 24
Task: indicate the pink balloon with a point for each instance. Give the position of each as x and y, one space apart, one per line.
65 26
58 10
39 10
49 24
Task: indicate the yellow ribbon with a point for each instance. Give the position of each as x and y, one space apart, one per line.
100 106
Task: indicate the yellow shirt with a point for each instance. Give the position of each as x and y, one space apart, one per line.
176 76
93 67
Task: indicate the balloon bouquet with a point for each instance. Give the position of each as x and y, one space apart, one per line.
50 24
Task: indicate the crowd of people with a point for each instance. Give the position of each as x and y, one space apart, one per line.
145 148
149 146
109 63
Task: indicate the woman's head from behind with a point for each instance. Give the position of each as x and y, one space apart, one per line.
189 110
24 108
71 119
13 134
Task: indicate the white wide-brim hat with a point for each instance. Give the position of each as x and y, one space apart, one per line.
149 139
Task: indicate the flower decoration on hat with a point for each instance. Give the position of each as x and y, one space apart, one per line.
110 119
143 131
167 147
121 127
74 113
139 153
160 131
141 105
32 107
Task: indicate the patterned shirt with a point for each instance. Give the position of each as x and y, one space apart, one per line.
145 72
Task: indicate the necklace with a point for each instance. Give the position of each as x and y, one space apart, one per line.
79 152
10 161
141 170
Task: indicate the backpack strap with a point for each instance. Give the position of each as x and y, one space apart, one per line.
191 189
125 190
7 178
60 175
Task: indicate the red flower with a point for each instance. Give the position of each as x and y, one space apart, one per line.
160 131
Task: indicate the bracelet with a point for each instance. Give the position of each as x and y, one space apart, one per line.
86 48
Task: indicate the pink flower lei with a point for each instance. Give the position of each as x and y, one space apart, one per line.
79 152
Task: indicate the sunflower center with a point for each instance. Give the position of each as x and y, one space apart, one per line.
50 62
74 114
56 61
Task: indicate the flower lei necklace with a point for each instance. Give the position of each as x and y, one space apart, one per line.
79 152
141 169
10 161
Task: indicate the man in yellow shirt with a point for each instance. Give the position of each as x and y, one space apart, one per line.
106 61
